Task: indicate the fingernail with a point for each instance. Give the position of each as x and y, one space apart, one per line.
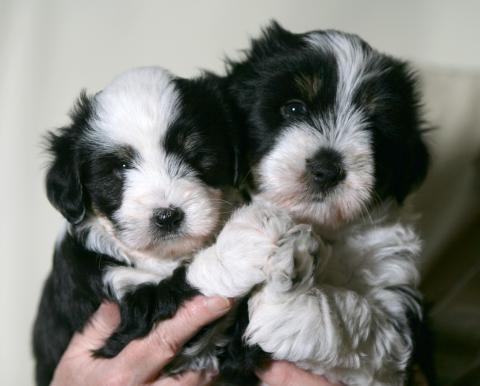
218 304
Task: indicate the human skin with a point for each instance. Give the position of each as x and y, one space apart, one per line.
281 373
142 360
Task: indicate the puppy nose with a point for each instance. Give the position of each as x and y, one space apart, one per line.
168 218
326 168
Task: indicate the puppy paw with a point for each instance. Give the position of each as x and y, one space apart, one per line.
260 243
249 239
295 259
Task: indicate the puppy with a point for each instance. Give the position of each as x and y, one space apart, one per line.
336 143
144 176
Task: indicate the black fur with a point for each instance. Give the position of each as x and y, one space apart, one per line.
64 189
239 361
418 329
211 121
72 292
141 309
85 180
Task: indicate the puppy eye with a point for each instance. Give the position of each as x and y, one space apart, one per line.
119 168
294 109
121 165
206 162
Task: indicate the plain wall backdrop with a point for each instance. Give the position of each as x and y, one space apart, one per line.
51 49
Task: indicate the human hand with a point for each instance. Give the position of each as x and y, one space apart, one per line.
282 373
142 360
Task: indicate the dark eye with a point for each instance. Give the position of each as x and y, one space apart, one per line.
206 162
294 109
119 168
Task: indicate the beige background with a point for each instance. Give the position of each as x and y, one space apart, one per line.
51 49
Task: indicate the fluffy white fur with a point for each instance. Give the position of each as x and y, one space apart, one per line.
282 175
246 252
341 326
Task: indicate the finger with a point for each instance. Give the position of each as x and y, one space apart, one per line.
190 318
190 378
146 357
100 326
281 373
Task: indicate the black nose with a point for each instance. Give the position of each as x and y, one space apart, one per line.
168 219
326 169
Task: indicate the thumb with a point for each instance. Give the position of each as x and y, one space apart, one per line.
281 373
100 326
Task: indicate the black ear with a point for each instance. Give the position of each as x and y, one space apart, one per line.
402 157
64 189
416 160
414 156
63 184
401 165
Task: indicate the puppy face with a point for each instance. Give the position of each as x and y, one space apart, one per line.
146 160
334 125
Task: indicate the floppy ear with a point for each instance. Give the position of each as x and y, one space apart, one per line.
415 157
402 156
64 188
401 165
413 173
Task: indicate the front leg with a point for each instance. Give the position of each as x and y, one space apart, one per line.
298 253
143 305
330 329
359 335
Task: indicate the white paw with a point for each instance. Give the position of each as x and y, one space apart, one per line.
252 236
294 261
260 243
236 262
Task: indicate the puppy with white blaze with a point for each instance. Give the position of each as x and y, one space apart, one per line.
145 176
335 139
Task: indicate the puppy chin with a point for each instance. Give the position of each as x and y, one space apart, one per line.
333 210
175 245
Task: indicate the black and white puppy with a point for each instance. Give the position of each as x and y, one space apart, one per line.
336 142
144 176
